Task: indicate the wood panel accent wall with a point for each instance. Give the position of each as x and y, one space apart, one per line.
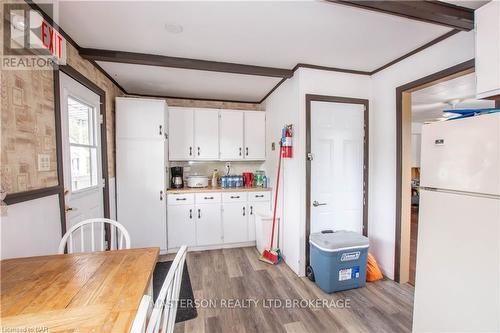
198 103
28 124
28 129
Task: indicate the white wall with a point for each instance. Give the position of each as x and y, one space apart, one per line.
287 106
282 107
382 197
31 228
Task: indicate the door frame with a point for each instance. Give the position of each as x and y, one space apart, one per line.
80 78
428 80
335 99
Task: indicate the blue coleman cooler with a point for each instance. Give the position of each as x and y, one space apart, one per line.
338 260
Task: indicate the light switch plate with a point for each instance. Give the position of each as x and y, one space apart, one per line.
43 162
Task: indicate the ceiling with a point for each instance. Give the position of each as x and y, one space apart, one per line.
472 4
428 103
263 33
163 81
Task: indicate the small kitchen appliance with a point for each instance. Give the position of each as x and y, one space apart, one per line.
197 181
176 177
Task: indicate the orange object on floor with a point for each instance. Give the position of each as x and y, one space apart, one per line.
373 273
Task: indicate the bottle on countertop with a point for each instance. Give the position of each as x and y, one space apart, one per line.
215 178
264 181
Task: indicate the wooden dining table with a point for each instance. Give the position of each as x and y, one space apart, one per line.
82 292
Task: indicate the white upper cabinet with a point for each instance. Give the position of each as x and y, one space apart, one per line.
255 135
487 20
181 134
231 135
206 134
212 134
140 118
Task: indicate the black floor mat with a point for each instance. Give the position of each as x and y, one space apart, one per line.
186 296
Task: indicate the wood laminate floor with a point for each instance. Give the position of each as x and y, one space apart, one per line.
237 274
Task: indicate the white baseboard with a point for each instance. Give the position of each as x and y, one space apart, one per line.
212 247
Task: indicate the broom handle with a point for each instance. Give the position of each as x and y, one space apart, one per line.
276 197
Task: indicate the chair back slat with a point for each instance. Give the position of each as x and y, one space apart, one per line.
82 241
70 249
165 307
102 236
92 237
87 232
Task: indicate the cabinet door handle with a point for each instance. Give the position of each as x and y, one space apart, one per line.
246 151
251 210
198 151
240 151
243 211
190 213
161 195
235 197
259 195
180 199
208 198
190 151
199 213
161 130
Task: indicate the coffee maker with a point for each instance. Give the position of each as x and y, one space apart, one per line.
176 177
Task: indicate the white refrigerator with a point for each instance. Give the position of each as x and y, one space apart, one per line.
458 252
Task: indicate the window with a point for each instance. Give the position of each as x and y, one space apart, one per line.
82 144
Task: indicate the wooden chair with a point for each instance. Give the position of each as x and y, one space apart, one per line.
165 308
91 233
140 320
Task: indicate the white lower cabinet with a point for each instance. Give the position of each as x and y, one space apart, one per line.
212 219
234 219
208 224
181 225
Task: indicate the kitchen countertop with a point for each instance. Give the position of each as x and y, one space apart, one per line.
216 189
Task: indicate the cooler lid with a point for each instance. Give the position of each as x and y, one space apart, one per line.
338 240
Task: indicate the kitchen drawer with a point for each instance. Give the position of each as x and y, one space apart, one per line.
207 197
234 197
180 199
259 196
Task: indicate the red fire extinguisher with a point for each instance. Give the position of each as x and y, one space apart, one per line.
286 141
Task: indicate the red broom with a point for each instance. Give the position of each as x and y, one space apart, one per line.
271 256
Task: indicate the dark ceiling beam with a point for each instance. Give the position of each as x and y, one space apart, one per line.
186 63
435 12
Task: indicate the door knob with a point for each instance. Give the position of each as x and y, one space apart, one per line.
68 209
316 204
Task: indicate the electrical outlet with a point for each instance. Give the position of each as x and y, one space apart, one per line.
43 162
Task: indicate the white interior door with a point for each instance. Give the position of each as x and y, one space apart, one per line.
81 143
337 145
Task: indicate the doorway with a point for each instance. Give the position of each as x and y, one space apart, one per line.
337 165
83 166
425 100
